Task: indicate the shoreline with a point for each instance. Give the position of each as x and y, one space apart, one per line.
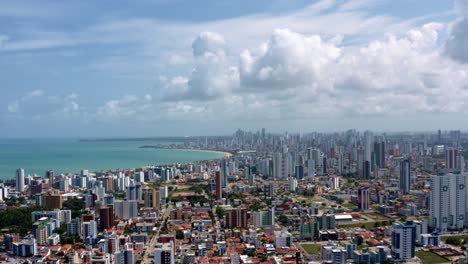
223 154
161 147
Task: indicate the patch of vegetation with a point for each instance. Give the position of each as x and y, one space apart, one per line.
70 239
456 241
366 225
349 206
220 212
18 220
313 249
283 219
450 238
76 206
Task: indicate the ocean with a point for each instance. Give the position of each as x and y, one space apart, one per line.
36 156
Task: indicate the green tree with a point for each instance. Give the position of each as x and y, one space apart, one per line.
453 241
283 219
18 220
60 230
76 206
179 234
359 240
220 211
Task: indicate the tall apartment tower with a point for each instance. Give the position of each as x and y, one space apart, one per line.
218 190
224 172
363 199
403 240
451 155
379 154
405 176
106 218
50 176
448 203
20 180
310 168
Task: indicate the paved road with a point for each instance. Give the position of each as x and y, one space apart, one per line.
154 239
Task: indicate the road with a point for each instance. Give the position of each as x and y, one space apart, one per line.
165 212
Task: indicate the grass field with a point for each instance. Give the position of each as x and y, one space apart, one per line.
367 225
376 216
349 206
428 257
312 249
461 237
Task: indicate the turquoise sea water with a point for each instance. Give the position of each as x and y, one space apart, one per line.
69 155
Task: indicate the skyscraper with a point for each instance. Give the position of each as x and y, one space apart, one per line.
251 179
106 218
310 168
126 209
50 176
225 173
363 199
218 190
403 240
379 154
292 184
367 145
448 202
20 180
451 159
366 170
299 172
405 176
461 163
278 167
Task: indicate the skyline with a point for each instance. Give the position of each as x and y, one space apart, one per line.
185 69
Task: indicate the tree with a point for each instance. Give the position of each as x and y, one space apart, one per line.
76 206
179 234
453 241
220 212
60 230
283 219
18 220
360 240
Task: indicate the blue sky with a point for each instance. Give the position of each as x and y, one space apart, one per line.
173 67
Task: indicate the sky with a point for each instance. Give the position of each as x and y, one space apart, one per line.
183 68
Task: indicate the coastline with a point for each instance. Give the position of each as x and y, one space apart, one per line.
142 160
224 153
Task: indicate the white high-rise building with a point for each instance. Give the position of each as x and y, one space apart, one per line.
89 231
461 163
283 239
367 146
292 184
139 176
163 193
310 168
20 180
278 166
3 192
448 202
126 209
